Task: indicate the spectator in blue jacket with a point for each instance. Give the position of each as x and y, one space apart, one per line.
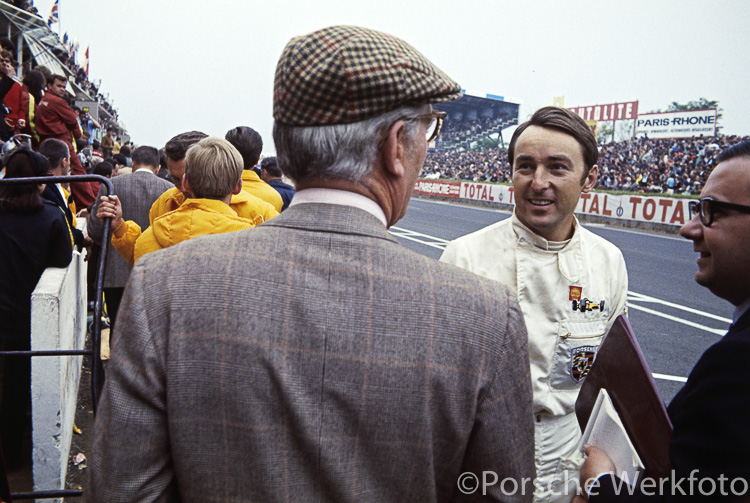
271 174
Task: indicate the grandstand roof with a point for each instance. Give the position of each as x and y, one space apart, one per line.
40 40
468 93
479 101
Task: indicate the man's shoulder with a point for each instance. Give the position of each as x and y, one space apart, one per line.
52 210
132 181
53 99
594 244
498 236
278 183
50 193
171 192
735 346
150 179
470 281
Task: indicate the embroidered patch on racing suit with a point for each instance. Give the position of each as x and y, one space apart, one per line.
581 360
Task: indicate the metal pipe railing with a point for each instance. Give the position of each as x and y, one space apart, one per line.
97 368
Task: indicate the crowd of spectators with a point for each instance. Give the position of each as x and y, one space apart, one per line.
455 132
68 60
672 166
489 165
82 79
27 5
459 130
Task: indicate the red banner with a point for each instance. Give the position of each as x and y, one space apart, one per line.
612 112
438 188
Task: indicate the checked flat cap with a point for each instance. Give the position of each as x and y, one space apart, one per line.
345 74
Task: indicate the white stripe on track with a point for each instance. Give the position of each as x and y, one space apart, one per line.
639 297
717 331
418 237
666 377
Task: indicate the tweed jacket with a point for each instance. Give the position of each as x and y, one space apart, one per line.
312 358
137 192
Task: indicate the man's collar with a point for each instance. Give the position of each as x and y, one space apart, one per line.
340 197
143 169
538 241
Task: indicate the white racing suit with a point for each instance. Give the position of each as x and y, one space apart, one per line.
570 294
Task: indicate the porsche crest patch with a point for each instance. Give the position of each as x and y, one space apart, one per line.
581 360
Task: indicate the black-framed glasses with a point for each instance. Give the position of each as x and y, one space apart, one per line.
706 207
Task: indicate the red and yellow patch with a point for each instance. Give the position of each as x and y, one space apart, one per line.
574 293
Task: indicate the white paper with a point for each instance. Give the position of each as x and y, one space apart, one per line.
605 431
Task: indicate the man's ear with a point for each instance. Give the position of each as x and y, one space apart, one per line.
237 188
394 149
590 181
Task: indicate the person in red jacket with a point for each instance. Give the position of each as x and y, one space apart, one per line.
21 116
7 88
55 119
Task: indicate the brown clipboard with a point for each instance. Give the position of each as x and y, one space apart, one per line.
621 369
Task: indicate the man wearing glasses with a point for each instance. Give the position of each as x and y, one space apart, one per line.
711 414
571 284
372 373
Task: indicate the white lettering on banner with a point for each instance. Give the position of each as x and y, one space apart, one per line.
673 124
438 188
610 112
665 210
487 192
478 191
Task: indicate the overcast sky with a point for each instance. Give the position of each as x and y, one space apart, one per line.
171 67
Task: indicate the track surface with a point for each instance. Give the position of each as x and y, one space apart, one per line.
674 319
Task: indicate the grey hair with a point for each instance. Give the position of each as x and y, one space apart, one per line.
341 151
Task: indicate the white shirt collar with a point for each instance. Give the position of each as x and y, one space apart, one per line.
340 197
143 169
61 191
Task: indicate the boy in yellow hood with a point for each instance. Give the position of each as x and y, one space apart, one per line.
213 173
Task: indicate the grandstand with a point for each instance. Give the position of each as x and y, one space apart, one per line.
475 116
36 44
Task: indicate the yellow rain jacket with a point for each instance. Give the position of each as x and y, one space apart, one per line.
195 217
252 184
245 206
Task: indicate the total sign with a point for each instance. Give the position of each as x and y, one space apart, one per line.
667 210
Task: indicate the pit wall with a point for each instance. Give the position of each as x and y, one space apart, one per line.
58 321
666 214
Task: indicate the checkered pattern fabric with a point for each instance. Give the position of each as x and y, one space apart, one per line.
345 74
360 371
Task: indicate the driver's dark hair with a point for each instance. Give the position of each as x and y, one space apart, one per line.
565 121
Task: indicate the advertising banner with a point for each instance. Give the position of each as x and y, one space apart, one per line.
627 110
438 188
686 124
592 126
665 210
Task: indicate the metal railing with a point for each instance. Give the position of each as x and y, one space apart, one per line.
97 369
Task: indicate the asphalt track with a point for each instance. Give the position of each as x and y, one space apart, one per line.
674 319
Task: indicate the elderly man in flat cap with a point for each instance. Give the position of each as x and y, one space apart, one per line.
364 371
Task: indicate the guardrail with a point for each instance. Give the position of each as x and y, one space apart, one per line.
666 214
